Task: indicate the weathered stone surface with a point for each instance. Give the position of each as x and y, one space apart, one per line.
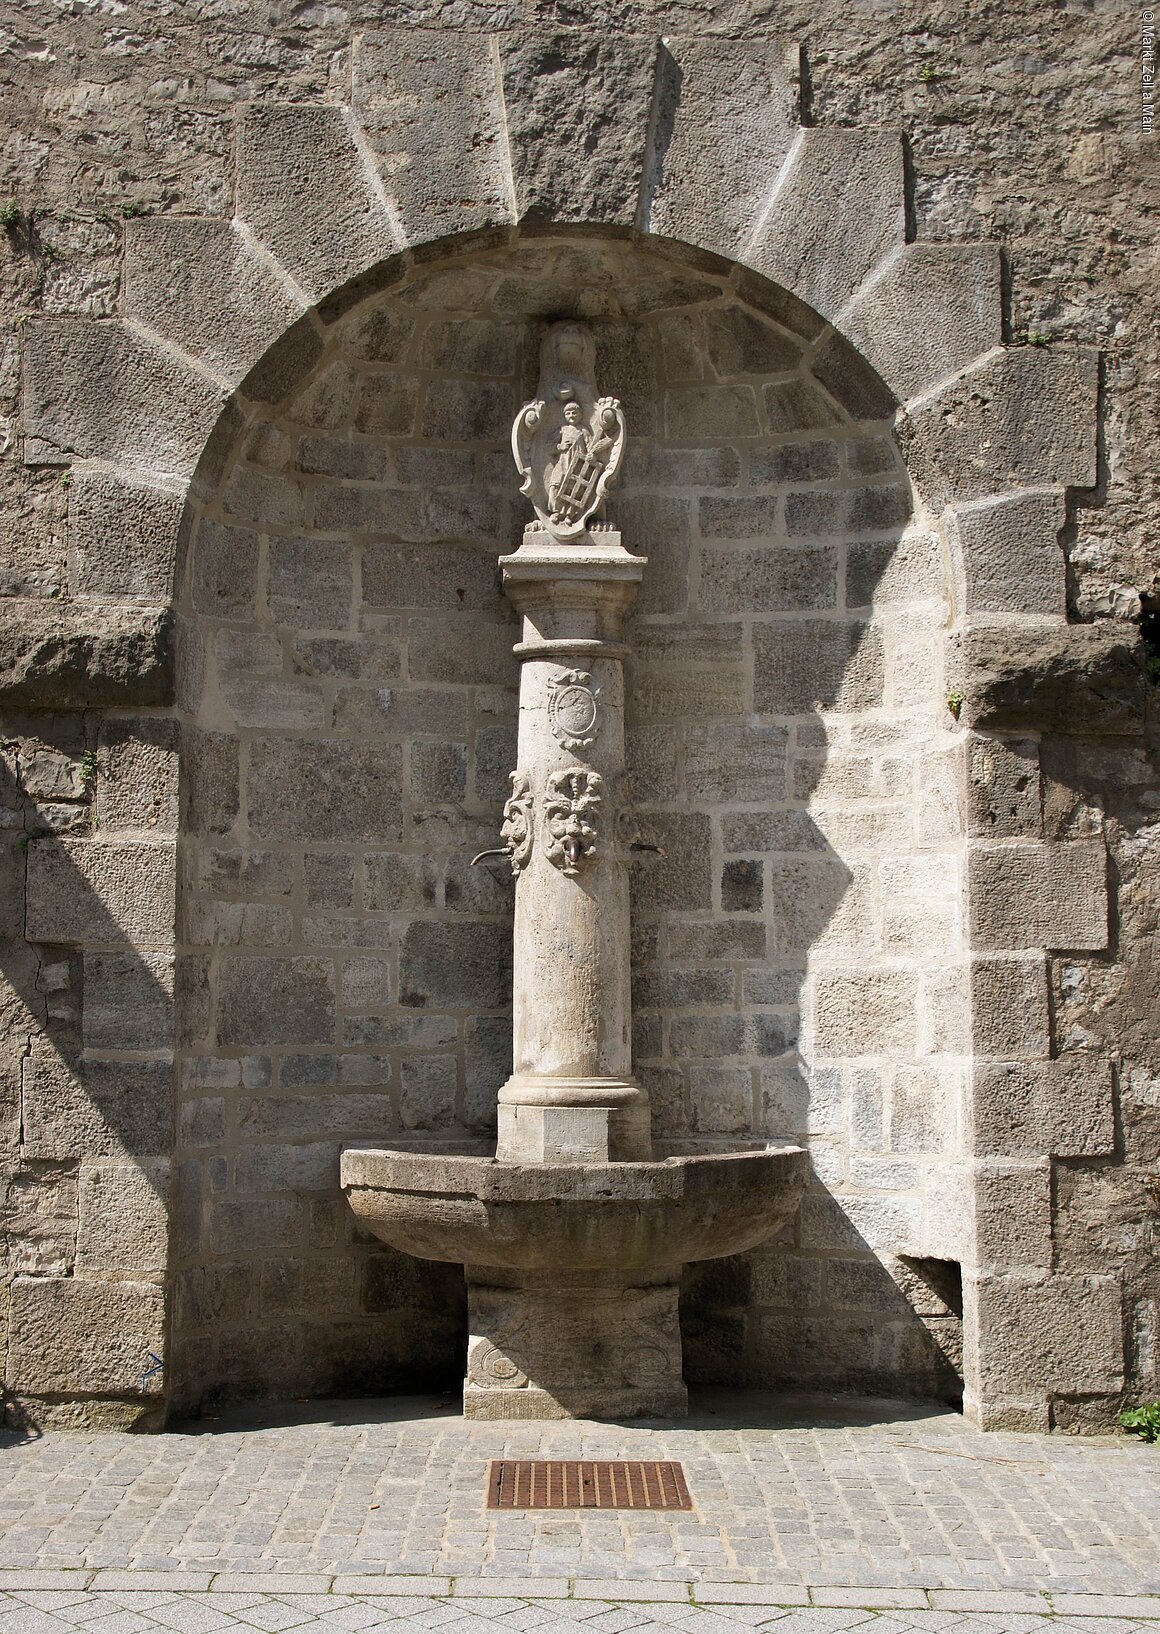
460 965
201 285
68 1335
837 210
137 774
103 391
60 655
1009 555
128 1002
577 108
325 790
1012 1215
1068 678
123 1226
429 104
1033 896
1062 1107
307 192
95 1108
723 107
864 1012
1009 1014
123 537
275 1000
1005 790
93 891
928 311
1049 1333
1024 417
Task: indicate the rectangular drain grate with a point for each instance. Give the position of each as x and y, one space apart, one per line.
579 1483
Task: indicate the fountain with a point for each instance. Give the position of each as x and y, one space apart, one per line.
572 1236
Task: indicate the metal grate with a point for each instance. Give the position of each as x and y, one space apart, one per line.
575 1483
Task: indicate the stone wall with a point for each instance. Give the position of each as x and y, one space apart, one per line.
1017 133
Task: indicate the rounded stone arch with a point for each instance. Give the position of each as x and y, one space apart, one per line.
336 204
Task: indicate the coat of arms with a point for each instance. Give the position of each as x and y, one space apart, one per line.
568 442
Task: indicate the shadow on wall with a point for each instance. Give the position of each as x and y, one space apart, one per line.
87 1192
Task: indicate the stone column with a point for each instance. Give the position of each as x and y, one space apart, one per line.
571 1097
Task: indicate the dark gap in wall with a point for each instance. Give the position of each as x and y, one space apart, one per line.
1150 636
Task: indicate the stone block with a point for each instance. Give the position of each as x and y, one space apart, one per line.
1038 895
431 575
305 1117
776 579
797 405
740 341
396 882
387 407
286 365
723 107
683 877
459 411
123 1221
277 705
837 210
1020 418
271 500
1012 1216
429 105
1039 1334
1058 678
924 1109
927 312
324 789
716 412
365 982
102 391
1007 554
56 655
122 538
742 886
250 1225
724 762
811 662
881 508
94 891
136 784
1010 1020
210 785
1063 1107
307 192
438 773
587 95
69 1336
794 462
460 346
1004 792
201 285
463 651
306 1287
94 1108
128 1002
224 570
266 999
864 1012
311 584
427 1086
455 965
303 1166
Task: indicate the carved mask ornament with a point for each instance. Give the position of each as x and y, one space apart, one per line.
568 442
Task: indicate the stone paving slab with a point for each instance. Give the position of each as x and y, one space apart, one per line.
375 1510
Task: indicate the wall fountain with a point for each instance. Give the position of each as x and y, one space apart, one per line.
572 1236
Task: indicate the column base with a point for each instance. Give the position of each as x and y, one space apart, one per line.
572 1344
573 1120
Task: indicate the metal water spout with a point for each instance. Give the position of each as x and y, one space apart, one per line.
572 1238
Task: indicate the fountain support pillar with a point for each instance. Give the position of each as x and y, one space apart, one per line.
571 1097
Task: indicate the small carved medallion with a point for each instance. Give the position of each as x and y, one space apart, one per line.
516 832
572 711
571 808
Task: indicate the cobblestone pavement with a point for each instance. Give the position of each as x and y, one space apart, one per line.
376 1510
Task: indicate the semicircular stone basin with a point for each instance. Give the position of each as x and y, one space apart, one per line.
573 1270
628 1216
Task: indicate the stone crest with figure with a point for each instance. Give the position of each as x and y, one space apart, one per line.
568 442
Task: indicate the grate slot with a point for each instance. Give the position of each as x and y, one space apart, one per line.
577 1483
